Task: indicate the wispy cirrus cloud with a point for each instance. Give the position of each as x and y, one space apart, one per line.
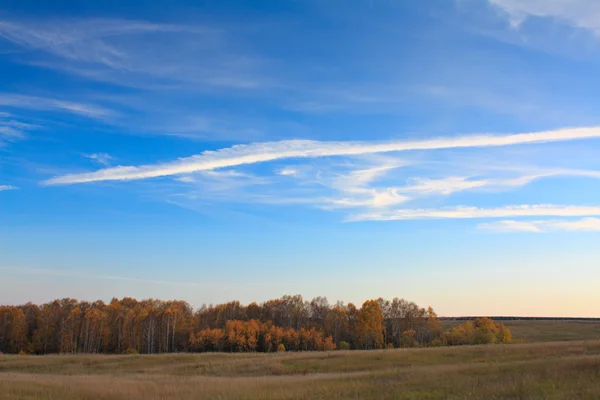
510 226
271 151
201 190
288 171
205 183
584 14
581 225
10 131
356 189
453 184
7 187
358 185
44 103
80 40
101 158
117 51
445 186
463 212
13 128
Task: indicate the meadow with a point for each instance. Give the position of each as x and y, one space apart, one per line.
536 369
533 331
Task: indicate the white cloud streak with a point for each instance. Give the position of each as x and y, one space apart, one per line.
583 14
215 186
102 158
510 226
80 40
270 151
445 186
7 187
186 179
12 129
463 212
354 190
43 103
453 184
124 52
288 172
582 225
372 198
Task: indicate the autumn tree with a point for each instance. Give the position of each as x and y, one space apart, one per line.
369 328
13 329
154 326
336 323
318 311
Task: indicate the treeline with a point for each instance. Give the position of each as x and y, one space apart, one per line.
505 318
285 324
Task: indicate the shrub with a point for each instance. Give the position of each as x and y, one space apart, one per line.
280 348
505 336
328 344
408 338
344 345
131 351
481 331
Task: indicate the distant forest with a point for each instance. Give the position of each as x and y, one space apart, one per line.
507 318
286 324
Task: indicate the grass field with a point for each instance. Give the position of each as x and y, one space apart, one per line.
556 370
533 331
553 331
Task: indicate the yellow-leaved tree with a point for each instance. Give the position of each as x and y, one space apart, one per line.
369 327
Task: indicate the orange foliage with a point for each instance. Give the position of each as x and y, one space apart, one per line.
153 326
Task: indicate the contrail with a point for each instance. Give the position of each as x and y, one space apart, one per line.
270 151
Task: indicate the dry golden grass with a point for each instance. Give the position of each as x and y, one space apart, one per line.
567 370
554 331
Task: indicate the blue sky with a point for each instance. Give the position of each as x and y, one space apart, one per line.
446 152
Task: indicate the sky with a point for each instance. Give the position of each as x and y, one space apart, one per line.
445 152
